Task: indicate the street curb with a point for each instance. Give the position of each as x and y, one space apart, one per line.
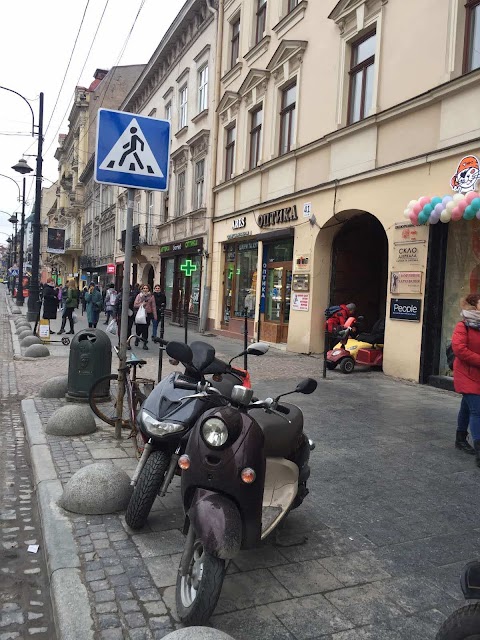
71 606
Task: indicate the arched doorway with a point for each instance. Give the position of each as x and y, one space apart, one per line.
148 275
360 267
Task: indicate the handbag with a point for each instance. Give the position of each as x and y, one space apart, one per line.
141 317
112 327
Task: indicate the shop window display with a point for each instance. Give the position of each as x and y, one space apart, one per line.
462 276
169 280
240 280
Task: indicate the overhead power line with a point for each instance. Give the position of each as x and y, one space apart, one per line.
68 66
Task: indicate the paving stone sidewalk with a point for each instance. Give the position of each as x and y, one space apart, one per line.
375 552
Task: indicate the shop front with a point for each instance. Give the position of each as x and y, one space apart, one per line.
181 277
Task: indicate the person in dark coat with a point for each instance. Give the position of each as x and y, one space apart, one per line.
131 314
466 375
160 299
50 302
94 305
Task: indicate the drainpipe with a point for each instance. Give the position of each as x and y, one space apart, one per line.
213 172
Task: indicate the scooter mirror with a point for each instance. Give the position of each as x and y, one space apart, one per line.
180 351
306 386
257 349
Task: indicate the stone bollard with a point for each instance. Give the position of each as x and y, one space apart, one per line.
16 311
55 387
198 633
97 489
36 351
29 340
24 334
71 420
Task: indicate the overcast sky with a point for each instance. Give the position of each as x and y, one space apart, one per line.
35 46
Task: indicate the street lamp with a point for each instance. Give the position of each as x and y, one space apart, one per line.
33 290
23 168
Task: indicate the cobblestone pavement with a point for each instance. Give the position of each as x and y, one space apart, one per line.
374 553
24 592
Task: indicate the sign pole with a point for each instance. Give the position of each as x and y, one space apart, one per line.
162 333
245 339
185 314
122 352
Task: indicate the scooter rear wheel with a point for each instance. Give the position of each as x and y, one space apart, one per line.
197 592
463 624
146 489
331 365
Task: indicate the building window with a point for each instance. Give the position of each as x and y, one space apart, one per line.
291 5
168 112
287 118
150 214
256 119
235 42
240 283
183 115
203 89
261 20
199 184
181 193
362 73
230 152
472 36
165 207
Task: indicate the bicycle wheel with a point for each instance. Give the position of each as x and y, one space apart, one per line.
103 401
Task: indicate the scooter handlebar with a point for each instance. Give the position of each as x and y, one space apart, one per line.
184 384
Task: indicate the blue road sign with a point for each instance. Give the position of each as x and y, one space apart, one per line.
132 151
13 272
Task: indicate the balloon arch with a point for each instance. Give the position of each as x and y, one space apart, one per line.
432 210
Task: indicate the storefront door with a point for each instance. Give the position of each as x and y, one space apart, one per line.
277 306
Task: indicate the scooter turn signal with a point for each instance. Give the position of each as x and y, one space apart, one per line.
248 475
184 462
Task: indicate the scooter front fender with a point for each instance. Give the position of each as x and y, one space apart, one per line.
217 523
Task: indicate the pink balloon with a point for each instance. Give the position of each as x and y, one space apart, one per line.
462 205
417 208
423 201
414 217
471 196
457 213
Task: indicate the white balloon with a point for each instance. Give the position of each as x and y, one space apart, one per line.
406 213
446 215
412 203
458 197
450 207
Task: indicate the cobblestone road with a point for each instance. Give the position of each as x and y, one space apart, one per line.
24 591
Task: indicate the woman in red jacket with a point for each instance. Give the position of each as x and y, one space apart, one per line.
466 374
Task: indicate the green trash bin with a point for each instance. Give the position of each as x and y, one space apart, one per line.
90 359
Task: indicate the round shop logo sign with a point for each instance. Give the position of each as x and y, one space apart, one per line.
467 175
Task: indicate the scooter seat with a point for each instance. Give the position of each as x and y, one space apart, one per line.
281 436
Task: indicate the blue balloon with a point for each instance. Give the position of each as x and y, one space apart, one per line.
475 203
423 217
435 201
427 209
469 213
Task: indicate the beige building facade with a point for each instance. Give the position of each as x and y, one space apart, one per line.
170 228
330 122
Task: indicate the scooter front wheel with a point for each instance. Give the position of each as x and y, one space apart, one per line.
347 365
463 624
198 589
146 489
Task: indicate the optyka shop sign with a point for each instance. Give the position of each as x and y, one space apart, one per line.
280 216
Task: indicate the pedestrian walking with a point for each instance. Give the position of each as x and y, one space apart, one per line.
466 375
146 301
160 298
94 301
82 299
110 299
50 302
70 304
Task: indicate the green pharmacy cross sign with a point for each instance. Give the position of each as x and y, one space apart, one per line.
188 268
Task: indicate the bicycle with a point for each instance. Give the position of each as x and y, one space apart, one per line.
103 396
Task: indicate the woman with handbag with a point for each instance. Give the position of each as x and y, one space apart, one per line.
466 375
71 303
94 301
146 311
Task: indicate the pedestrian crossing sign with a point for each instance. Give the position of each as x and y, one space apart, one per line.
132 150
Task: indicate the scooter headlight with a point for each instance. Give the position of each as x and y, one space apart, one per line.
157 428
215 432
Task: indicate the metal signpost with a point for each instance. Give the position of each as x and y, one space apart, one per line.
134 152
188 268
